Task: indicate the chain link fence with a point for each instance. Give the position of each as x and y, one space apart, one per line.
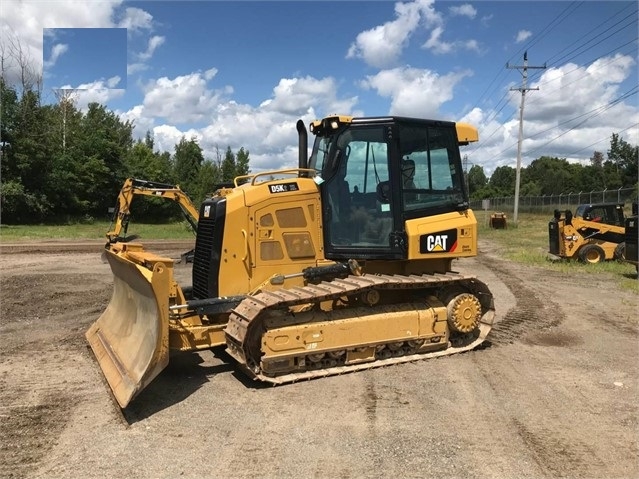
548 203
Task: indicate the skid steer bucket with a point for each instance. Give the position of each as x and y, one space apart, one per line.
131 338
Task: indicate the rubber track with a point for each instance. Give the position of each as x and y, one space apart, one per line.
247 315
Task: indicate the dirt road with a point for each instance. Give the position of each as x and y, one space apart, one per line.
553 394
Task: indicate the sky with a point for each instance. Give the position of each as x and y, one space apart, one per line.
241 73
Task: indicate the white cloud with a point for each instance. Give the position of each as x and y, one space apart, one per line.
100 91
296 96
56 51
571 89
382 45
154 42
183 99
522 36
436 45
133 68
167 136
465 10
415 92
141 122
25 21
575 107
267 131
210 74
136 19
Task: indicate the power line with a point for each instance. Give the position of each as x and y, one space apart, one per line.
534 101
603 139
594 112
606 107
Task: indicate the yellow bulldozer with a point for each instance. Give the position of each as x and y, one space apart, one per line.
595 233
341 264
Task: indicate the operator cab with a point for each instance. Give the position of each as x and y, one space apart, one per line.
376 173
605 213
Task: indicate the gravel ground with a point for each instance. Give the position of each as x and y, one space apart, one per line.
553 393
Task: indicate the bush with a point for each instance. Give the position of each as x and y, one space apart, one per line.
18 206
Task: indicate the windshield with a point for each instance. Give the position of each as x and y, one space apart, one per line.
431 169
319 155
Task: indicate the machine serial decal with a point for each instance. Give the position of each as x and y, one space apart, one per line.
441 242
283 187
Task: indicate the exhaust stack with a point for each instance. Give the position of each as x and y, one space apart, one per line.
303 144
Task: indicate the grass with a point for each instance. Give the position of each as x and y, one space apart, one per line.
527 243
95 230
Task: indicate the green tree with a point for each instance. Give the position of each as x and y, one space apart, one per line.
476 179
486 192
530 188
228 165
503 180
148 140
552 175
611 175
624 156
591 178
210 176
187 161
597 159
98 149
25 157
242 162
10 109
143 163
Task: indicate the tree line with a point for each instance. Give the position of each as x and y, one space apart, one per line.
58 163
549 175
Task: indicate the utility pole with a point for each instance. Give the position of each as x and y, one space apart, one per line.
524 88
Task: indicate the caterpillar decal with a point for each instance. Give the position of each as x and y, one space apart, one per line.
440 242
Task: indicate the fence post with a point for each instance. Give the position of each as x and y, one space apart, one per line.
603 195
579 198
560 199
619 194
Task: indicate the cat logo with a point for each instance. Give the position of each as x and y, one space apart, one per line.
440 242
436 242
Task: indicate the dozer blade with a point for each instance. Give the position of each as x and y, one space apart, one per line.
131 338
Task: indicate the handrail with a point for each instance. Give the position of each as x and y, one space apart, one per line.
289 171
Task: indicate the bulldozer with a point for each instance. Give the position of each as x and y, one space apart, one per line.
341 264
594 234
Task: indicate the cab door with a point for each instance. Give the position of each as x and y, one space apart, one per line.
360 220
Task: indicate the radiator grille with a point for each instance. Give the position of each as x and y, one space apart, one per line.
208 246
553 237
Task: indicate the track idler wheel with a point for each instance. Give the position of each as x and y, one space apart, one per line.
464 313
